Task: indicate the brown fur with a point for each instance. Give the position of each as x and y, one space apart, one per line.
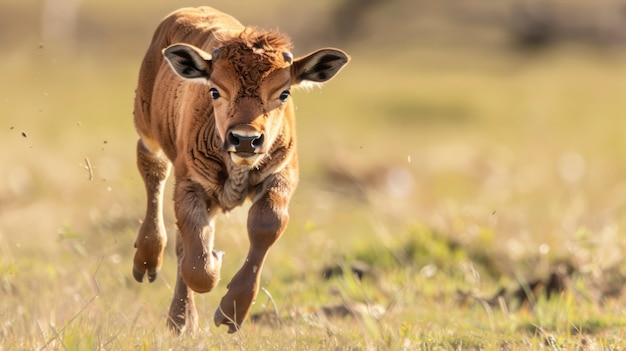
180 123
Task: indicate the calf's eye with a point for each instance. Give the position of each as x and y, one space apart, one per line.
214 93
284 96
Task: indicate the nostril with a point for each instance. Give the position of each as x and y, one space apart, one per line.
258 141
233 139
244 143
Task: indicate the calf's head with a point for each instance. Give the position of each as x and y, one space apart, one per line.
249 79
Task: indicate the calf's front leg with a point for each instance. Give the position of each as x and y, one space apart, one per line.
199 266
267 220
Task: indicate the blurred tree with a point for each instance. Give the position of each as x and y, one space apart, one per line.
59 20
348 17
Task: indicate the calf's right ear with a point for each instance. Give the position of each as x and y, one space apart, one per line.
189 62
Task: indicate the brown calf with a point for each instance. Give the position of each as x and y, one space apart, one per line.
213 100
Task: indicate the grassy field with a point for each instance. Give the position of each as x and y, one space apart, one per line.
476 190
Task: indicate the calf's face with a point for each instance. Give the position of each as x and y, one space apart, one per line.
250 93
250 90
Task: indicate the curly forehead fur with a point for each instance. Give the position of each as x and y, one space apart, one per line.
256 38
254 54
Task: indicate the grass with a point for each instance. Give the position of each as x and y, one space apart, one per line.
445 174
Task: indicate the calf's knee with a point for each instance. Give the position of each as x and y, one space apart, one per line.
265 225
201 273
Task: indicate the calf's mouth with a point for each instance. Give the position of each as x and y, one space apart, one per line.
242 158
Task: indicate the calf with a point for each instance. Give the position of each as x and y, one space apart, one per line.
213 100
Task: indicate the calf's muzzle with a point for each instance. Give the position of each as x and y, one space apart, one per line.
245 143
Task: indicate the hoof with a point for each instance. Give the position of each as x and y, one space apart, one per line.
219 318
176 327
140 275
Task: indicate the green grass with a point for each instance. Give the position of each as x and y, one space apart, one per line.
450 172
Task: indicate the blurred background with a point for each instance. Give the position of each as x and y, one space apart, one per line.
496 124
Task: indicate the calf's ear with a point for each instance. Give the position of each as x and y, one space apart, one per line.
319 66
189 62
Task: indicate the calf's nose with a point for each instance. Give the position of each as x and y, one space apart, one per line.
246 143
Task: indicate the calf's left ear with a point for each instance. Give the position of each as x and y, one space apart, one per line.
189 62
319 66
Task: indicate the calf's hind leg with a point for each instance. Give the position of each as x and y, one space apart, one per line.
154 168
182 315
